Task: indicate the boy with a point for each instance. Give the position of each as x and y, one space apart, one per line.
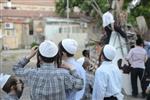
12 86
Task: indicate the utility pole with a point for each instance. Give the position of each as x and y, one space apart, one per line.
68 11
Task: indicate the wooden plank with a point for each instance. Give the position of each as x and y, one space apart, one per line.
142 24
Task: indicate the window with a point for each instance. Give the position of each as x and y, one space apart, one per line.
9 33
65 29
31 28
60 30
76 29
0 25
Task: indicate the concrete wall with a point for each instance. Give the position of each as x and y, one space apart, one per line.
58 29
12 37
18 37
0 44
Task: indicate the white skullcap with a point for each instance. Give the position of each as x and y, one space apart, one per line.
48 49
3 79
81 60
109 52
70 45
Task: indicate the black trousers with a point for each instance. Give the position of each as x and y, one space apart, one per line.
108 30
148 97
110 98
135 73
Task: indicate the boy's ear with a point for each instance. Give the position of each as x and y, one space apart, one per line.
39 58
13 87
62 53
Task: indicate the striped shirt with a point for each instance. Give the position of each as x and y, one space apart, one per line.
89 86
9 96
48 82
137 57
76 95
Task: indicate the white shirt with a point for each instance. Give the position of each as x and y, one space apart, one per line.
107 19
137 57
71 95
108 82
149 86
81 60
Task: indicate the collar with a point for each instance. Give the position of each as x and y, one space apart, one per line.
48 66
70 59
138 46
107 62
12 95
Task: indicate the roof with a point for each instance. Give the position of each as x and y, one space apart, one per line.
31 13
32 2
25 13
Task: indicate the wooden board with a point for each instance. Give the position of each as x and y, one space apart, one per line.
142 24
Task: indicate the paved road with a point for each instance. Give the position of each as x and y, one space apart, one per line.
8 58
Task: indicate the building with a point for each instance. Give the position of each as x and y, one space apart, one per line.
21 21
25 22
57 29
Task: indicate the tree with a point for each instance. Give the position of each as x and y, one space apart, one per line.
143 9
61 6
89 7
96 8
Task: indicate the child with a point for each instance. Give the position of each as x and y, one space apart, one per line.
12 86
89 79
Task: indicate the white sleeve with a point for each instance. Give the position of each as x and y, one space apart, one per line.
100 85
111 18
128 57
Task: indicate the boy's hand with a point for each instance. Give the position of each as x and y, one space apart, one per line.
32 52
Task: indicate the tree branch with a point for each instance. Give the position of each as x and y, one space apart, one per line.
98 8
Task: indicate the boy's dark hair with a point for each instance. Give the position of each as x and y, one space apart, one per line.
47 59
10 82
138 36
62 49
106 59
110 9
139 42
85 53
60 53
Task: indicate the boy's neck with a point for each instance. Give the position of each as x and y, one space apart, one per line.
12 92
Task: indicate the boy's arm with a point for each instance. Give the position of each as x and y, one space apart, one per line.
72 79
19 69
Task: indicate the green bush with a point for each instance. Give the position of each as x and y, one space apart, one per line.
34 44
